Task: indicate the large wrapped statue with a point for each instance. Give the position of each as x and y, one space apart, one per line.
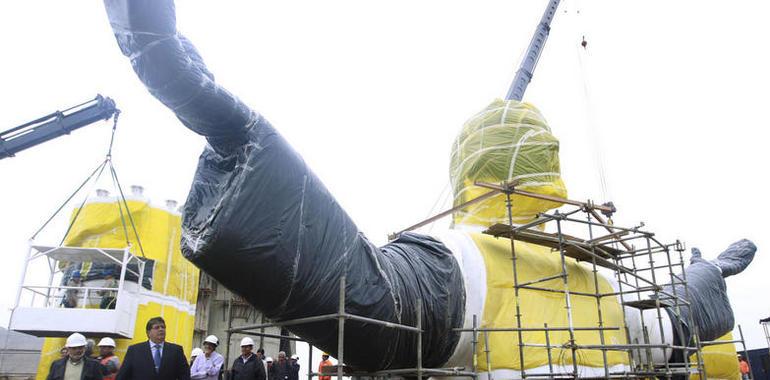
258 218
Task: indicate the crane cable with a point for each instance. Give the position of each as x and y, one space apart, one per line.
93 178
592 125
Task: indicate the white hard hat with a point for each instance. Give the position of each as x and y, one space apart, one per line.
212 339
106 342
196 351
76 340
269 359
247 342
295 357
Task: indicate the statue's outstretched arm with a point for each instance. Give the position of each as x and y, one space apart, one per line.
173 71
262 224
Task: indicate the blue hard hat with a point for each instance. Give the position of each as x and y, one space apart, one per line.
76 273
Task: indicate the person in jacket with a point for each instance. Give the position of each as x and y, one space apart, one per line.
281 368
70 299
107 358
294 367
194 354
209 365
76 365
247 366
325 362
269 368
261 356
155 359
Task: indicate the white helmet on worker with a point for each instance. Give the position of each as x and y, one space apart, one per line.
212 339
196 351
247 342
76 340
295 357
269 359
106 342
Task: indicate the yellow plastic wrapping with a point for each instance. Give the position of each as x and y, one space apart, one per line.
539 307
175 280
507 141
720 361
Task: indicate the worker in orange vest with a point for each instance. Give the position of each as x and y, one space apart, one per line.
744 367
324 363
107 358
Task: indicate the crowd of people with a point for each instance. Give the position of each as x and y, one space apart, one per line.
158 359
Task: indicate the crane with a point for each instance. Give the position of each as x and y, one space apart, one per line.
54 125
527 67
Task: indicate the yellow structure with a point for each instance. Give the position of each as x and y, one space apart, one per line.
510 142
500 311
720 361
174 279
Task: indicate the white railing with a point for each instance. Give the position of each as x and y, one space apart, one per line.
54 296
105 306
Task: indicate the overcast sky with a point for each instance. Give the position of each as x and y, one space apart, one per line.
372 93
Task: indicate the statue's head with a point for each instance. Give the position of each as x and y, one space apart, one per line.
507 141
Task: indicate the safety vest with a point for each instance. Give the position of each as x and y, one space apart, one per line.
104 362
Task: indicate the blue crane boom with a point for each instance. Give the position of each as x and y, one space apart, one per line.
527 67
55 125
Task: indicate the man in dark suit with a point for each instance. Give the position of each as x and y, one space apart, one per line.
155 359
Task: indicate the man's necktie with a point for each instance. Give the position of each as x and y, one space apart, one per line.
156 357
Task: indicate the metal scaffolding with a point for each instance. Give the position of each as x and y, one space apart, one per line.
635 257
766 327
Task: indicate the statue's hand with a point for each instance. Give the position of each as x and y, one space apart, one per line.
736 257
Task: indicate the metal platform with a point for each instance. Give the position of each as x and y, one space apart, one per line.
40 309
576 248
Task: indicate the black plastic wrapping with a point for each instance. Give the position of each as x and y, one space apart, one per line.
261 223
172 70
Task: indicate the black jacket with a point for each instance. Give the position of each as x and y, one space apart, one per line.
92 370
138 363
253 369
281 370
293 371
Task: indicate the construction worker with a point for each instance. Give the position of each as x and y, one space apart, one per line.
325 362
107 358
294 367
70 299
208 365
194 354
108 296
269 368
76 365
744 366
247 366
